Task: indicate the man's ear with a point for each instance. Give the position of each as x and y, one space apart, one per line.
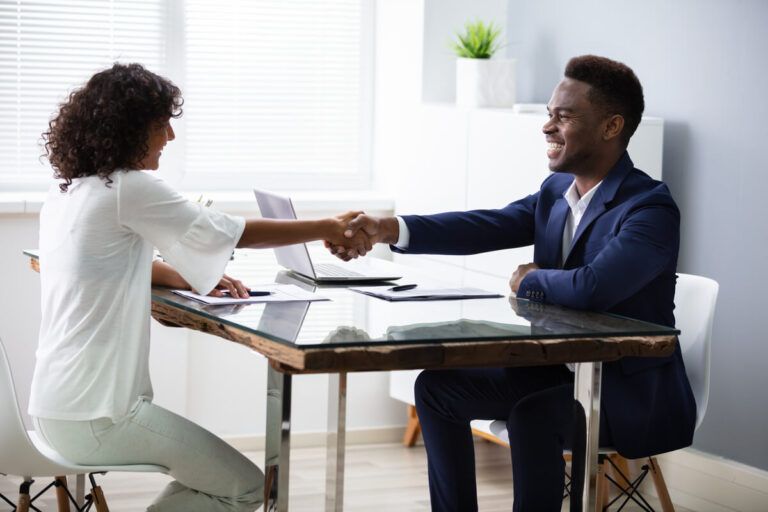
613 127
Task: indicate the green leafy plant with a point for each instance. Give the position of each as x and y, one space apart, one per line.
479 41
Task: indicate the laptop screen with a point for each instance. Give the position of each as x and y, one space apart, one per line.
294 257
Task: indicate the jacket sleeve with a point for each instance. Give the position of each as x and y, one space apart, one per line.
473 231
644 246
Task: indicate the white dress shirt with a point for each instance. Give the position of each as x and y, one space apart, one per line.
578 206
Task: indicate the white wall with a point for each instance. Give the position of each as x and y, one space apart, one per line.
19 298
397 84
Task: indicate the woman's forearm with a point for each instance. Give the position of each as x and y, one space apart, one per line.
267 233
165 275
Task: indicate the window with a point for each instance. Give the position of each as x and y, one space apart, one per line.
277 93
49 48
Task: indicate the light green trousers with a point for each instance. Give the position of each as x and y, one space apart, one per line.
209 474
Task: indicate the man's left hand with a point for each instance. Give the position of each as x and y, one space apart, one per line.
519 274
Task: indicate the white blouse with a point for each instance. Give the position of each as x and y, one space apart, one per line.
96 245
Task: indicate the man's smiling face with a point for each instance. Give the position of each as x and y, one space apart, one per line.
574 129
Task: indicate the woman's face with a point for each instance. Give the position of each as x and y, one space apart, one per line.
159 135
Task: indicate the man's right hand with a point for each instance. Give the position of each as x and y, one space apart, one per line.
378 230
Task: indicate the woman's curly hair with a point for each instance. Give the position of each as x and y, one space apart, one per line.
105 125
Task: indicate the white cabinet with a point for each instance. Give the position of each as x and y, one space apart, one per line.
463 159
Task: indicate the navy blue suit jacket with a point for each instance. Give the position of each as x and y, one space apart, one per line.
622 260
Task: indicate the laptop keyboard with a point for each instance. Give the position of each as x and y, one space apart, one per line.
331 270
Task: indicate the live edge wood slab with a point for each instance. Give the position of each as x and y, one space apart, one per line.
383 356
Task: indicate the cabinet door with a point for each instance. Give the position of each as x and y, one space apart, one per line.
506 161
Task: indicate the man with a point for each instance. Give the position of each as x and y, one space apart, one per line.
605 238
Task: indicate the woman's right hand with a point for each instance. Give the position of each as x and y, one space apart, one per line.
229 285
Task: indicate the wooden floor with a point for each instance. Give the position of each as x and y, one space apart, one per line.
380 477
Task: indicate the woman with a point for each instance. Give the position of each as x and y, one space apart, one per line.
91 393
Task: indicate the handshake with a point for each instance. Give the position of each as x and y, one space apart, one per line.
354 233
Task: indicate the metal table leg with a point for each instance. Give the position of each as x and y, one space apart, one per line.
278 442
337 422
587 391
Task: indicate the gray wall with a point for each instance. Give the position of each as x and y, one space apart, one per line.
703 67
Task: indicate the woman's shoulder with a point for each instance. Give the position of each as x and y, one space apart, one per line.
130 177
141 182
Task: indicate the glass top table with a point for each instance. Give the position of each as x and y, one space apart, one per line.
355 332
294 324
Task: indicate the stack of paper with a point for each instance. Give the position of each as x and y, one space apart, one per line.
278 293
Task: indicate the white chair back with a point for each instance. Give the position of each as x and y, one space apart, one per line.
25 456
695 299
18 456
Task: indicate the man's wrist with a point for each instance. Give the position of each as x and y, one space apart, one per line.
390 230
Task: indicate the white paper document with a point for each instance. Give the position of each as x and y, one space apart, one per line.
278 293
419 293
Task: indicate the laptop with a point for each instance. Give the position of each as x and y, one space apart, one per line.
296 257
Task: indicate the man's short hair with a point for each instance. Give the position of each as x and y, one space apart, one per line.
615 88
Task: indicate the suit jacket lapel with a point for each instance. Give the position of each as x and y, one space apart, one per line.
554 234
603 195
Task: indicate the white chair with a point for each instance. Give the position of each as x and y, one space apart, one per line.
24 454
695 299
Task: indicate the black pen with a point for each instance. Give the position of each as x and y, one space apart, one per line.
402 287
252 293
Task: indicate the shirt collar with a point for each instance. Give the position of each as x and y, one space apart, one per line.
574 201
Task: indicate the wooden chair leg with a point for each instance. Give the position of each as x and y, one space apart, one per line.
62 498
660 485
413 429
624 478
99 500
601 501
24 500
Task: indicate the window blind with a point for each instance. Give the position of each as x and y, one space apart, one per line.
277 92
47 49
275 88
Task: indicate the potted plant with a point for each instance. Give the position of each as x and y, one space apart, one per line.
480 80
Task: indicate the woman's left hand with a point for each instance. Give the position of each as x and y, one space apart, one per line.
230 286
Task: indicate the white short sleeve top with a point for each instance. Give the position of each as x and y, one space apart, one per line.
96 245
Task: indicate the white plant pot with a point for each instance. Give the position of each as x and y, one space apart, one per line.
485 82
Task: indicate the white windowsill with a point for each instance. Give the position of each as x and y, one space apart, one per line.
241 202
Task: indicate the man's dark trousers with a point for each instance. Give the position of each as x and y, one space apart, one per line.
536 402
